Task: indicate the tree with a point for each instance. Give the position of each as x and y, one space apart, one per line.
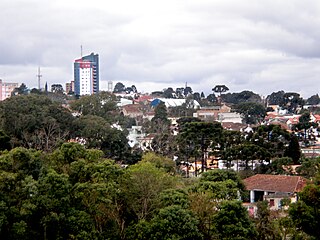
119 87
159 161
291 102
212 98
276 98
160 121
220 185
22 90
4 141
187 91
232 222
293 150
196 96
313 100
264 223
35 121
131 89
57 88
180 92
271 137
103 104
246 152
305 124
142 184
202 135
218 175
168 93
252 113
242 97
305 212
309 167
174 222
220 89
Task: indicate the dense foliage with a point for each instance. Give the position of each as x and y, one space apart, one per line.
75 193
54 188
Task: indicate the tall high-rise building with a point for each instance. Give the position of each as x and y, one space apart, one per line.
86 75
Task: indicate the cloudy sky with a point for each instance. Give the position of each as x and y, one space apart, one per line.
262 46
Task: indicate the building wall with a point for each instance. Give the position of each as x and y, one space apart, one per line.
94 59
70 87
6 89
86 75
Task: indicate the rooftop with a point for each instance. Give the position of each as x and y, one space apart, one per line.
275 183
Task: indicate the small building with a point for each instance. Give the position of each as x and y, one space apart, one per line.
173 102
213 113
6 89
230 117
274 188
132 110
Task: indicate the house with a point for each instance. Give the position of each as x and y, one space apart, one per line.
274 188
213 113
132 110
230 117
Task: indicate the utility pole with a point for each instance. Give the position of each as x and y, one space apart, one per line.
39 78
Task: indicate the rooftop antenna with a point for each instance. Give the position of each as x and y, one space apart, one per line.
39 77
81 50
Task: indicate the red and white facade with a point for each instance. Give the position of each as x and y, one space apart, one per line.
85 77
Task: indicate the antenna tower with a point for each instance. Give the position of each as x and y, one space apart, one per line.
39 77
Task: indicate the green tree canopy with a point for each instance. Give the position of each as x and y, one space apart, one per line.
305 212
102 104
251 112
232 222
35 121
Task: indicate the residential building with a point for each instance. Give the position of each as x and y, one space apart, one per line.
274 188
213 113
70 87
6 89
132 110
86 75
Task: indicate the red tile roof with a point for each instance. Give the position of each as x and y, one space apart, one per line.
275 183
143 98
317 117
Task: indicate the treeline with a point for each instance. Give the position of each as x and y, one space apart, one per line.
38 122
75 193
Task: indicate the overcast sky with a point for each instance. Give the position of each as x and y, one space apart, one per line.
262 46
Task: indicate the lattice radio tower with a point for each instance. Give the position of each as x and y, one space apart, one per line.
39 78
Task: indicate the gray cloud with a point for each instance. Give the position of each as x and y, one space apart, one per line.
247 45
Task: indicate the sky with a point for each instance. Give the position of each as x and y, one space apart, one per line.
260 46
